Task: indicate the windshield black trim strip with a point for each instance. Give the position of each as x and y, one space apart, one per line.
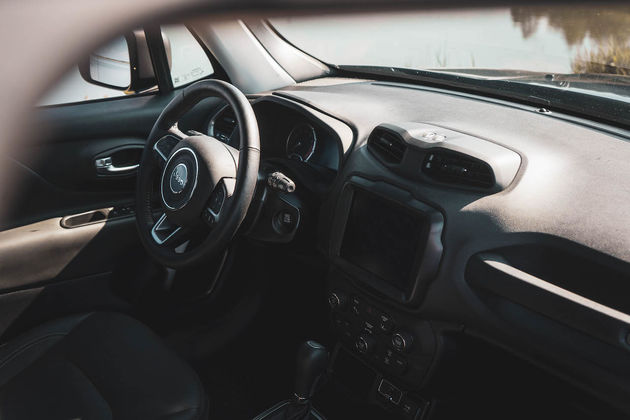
601 109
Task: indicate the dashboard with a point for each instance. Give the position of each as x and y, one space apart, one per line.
443 208
287 133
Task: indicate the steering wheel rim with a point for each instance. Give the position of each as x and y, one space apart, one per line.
220 171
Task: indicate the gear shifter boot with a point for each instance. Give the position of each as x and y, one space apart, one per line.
311 364
298 411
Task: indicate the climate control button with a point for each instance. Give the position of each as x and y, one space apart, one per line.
385 323
402 341
365 344
355 306
337 300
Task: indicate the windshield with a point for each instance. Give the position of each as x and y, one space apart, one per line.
582 49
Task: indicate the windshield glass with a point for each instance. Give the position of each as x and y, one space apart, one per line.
533 45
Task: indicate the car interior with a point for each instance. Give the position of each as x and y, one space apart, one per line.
224 216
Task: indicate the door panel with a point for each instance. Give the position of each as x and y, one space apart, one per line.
59 178
58 173
33 254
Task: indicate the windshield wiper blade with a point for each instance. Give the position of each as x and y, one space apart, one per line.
397 70
609 79
500 74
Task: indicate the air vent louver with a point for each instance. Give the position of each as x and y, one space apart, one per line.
386 145
453 168
224 124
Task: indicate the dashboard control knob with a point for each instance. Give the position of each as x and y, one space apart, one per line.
402 341
337 300
365 344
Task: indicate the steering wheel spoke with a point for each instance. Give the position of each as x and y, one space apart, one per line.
163 147
175 131
168 234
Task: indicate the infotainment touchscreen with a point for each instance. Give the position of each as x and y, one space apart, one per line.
382 237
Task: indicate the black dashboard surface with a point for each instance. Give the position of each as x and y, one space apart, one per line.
570 196
571 176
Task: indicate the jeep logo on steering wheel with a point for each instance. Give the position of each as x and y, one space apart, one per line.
179 178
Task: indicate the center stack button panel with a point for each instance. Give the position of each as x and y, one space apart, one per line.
391 341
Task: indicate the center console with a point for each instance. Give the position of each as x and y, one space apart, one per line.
393 351
386 240
385 249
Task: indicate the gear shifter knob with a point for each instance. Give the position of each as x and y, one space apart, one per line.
312 361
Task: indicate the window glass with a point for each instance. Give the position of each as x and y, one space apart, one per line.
72 88
109 64
561 56
188 60
556 39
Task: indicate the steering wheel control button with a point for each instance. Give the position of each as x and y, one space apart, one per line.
365 344
207 216
337 300
402 341
217 199
281 182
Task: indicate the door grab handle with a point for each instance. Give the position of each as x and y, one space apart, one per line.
105 166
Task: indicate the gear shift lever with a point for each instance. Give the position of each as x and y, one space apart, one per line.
311 364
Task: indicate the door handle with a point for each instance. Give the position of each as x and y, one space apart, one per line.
105 166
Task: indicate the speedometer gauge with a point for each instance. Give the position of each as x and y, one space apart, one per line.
302 142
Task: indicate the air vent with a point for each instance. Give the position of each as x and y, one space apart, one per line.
387 146
224 124
454 168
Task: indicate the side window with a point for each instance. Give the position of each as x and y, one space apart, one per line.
73 88
188 61
123 67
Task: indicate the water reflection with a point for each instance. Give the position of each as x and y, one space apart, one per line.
601 33
577 24
553 39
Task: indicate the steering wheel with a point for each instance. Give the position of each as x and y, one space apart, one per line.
203 185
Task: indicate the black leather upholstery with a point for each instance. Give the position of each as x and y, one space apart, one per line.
96 366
